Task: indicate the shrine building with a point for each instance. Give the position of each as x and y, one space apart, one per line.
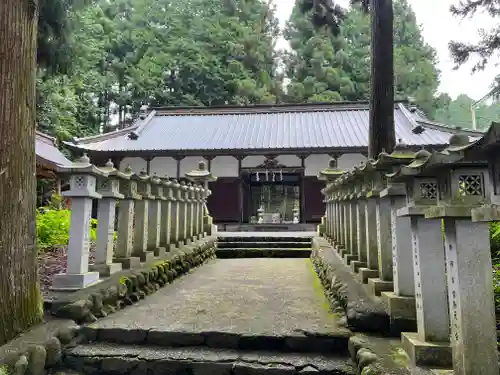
265 156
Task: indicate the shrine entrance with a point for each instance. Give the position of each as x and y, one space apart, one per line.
272 193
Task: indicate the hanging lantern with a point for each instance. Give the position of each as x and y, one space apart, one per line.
281 175
257 177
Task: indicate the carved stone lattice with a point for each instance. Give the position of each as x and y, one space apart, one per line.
80 182
104 184
470 185
428 190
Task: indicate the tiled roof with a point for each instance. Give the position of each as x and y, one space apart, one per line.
341 126
45 148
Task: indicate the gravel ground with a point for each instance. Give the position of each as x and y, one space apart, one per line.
53 261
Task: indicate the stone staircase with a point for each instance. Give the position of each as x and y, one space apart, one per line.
231 317
137 352
262 246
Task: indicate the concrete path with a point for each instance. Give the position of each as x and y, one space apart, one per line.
279 297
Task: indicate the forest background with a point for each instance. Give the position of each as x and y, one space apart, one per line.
105 59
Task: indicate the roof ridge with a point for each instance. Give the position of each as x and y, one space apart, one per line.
103 137
276 108
444 127
45 137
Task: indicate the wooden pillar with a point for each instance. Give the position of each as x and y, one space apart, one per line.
178 172
148 165
209 162
240 190
302 195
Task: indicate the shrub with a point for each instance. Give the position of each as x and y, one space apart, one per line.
52 228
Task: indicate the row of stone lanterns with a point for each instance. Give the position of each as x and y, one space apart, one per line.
414 227
154 216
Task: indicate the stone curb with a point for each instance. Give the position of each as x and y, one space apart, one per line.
97 301
263 245
367 362
303 343
231 365
363 313
35 359
226 253
264 239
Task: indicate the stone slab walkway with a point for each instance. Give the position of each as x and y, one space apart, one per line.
278 297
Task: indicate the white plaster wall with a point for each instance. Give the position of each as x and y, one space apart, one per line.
136 164
227 166
224 166
164 166
255 160
190 163
316 163
348 161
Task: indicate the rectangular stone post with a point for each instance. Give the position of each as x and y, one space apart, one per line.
371 270
199 212
469 268
155 219
471 299
353 231
384 247
429 346
338 221
125 233
181 214
82 191
190 211
360 262
401 302
141 225
109 188
333 218
176 196
347 224
341 243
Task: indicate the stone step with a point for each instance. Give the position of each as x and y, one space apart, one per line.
233 253
263 239
267 245
104 359
303 342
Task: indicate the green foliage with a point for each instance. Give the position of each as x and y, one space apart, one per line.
325 66
488 44
53 224
458 112
127 53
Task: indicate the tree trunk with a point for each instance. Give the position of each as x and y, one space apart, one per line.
20 300
381 134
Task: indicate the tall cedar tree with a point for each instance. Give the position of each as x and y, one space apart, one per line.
20 300
327 14
324 67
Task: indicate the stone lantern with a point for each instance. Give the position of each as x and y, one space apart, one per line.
83 179
109 188
203 176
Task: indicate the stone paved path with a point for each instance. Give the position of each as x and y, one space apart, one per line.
241 296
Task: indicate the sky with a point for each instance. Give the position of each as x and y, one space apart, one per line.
438 28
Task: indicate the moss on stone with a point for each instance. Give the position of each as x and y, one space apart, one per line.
320 291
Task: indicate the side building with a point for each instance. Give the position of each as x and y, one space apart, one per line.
265 156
